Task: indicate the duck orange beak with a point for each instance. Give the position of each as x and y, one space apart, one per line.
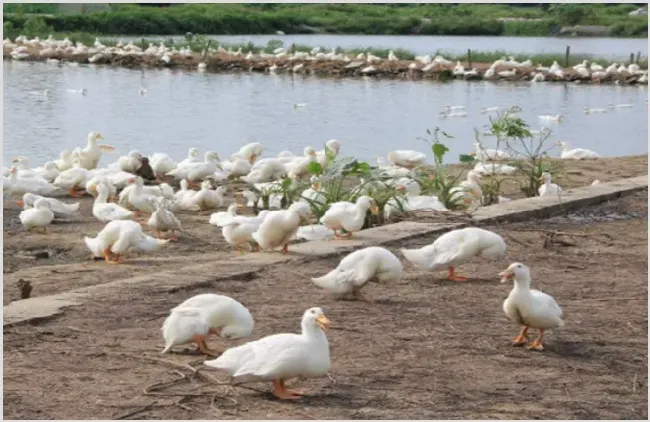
323 322
374 210
506 275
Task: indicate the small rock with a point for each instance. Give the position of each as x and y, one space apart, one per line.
42 255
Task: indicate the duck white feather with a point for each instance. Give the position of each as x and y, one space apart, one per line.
39 216
120 237
204 314
280 226
528 307
55 205
456 248
548 188
281 357
360 267
348 216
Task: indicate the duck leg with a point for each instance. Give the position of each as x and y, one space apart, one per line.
522 338
117 259
537 343
203 347
455 277
173 238
285 248
75 193
280 391
107 255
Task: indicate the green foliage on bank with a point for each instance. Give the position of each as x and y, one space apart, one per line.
397 19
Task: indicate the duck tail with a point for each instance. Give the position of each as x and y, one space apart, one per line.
335 280
415 257
73 207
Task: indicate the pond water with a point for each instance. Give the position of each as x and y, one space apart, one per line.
615 48
224 111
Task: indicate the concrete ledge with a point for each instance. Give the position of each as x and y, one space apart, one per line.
185 278
375 236
569 200
203 275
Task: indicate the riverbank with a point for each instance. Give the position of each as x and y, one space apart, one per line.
118 368
396 19
300 60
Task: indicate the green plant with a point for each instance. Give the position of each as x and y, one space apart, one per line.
530 151
346 179
36 26
441 183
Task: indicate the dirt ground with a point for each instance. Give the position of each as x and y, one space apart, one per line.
427 348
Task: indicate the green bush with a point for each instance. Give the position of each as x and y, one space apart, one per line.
429 19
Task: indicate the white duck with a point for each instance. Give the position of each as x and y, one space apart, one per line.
208 198
551 118
182 199
548 188
407 158
19 186
192 157
489 169
91 187
74 179
313 194
163 219
456 248
575 153
280 226
161 163
130 163
251 151
587 110
90 155
264 171
314 232
348 216
205 314
238 230
55 205
39 216
237 166
469 191
120 237
358 268
298 167
138 198
222 216
413 201
104 211
332 148
483 154
49 171
197 171
281 357
528 307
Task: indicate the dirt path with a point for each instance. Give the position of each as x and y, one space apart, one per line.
426 349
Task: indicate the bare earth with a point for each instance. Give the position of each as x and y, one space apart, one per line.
427 348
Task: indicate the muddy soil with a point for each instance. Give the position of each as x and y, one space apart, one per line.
426 348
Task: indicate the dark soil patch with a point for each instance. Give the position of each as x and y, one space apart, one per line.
426 349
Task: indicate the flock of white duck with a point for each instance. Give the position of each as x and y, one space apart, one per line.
23 48
279 357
